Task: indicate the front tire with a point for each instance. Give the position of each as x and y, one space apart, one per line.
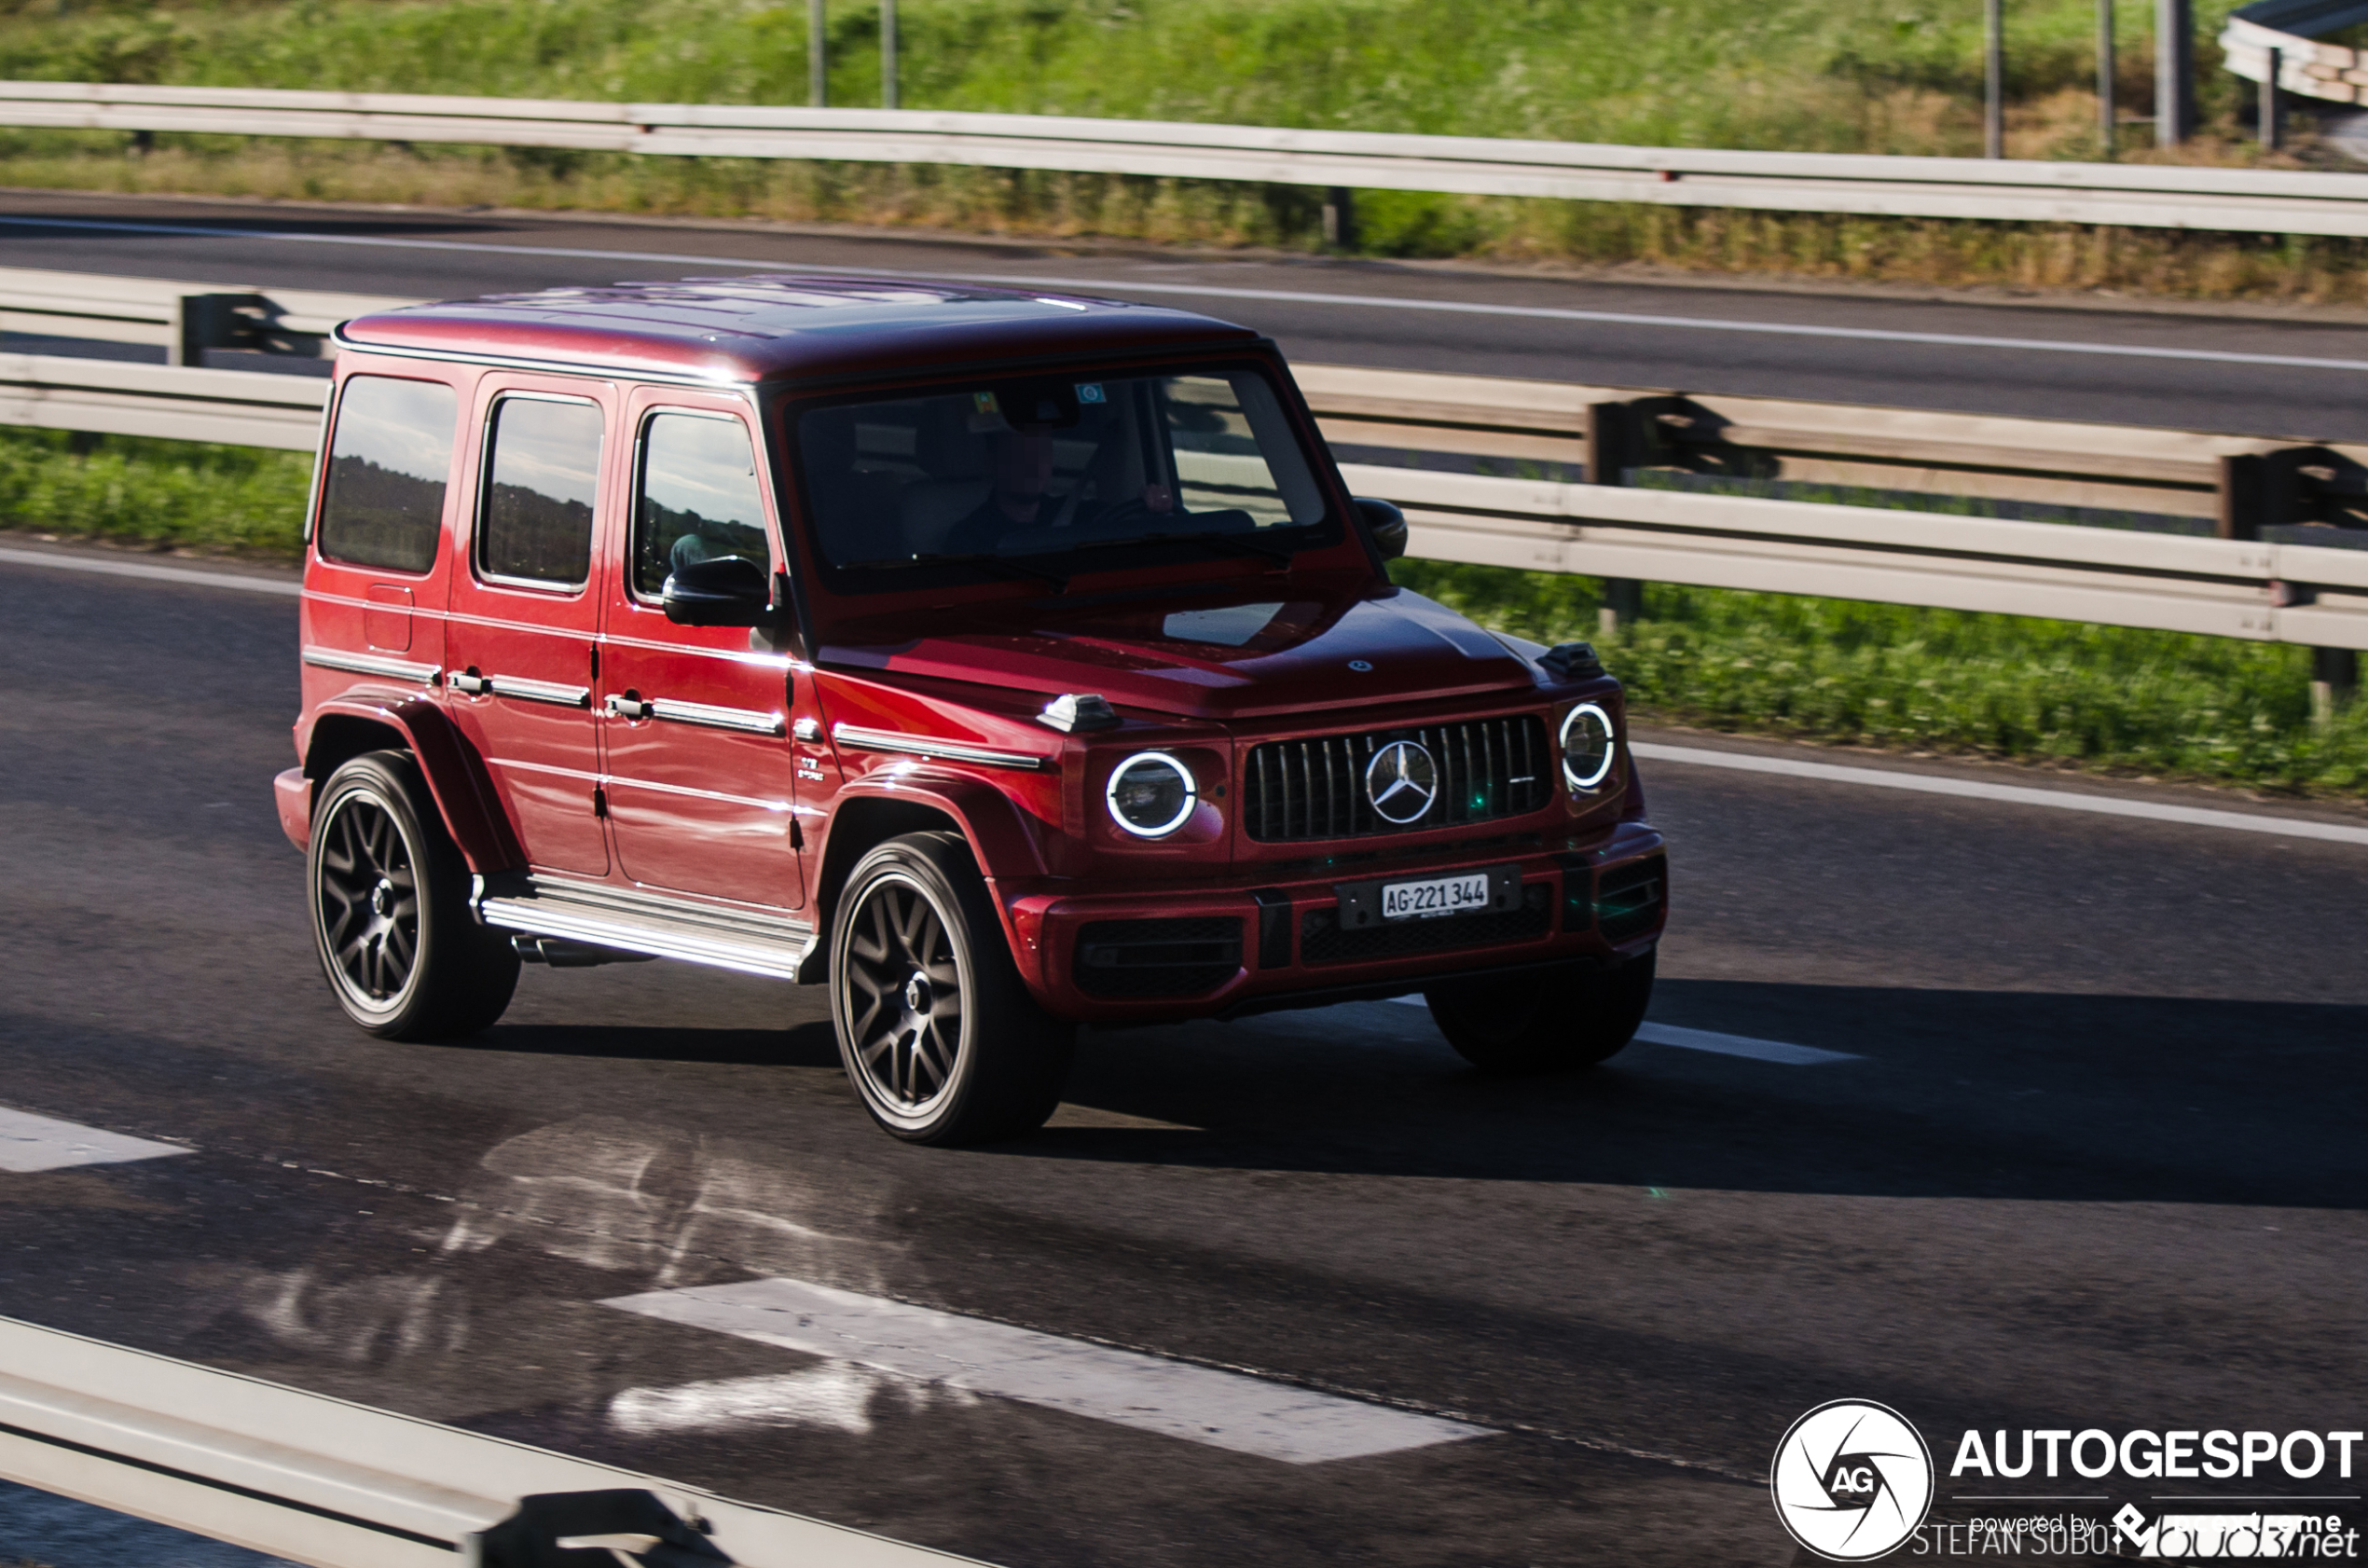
939 1035
1548 1021
391 921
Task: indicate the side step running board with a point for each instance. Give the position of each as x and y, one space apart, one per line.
649 923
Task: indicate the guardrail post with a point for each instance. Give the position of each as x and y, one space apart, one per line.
817 56
2174 72
202 321
888 54
2108 133
2244 495
2271 110
1339 219
2335 681
1613 444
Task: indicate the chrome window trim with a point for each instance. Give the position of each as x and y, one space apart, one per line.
923 746
750 420
371 664
484 488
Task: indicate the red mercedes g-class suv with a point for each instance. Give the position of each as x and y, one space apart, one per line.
1002 661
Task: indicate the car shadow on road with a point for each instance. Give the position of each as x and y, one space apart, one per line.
803 1045
1986 1094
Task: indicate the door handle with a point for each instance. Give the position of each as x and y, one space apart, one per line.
631 706
468 682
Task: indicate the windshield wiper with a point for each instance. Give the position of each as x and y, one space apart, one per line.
1002 566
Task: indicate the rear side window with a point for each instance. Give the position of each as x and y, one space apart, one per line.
542 473
697 499
389 457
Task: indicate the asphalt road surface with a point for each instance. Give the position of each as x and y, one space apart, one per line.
2092 1158
2297 375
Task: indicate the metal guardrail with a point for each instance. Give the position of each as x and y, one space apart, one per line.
339 1485
2274 593
2289 30
182 318
179 403
2232 586
2150 196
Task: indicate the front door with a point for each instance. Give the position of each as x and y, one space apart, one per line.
520 640
695 719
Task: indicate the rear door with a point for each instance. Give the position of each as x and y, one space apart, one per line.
519 647
695 719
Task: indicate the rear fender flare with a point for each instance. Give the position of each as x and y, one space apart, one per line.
456 775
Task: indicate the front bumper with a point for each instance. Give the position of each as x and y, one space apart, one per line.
1183 953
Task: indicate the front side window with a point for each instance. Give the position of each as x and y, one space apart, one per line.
542 475
1063 466
389 458
697 500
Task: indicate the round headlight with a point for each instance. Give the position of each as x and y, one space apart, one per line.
1151 794
1588 749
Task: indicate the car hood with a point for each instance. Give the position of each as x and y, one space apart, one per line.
1232 658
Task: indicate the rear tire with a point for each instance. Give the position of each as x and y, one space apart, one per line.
938 1033
390 896
1548 1021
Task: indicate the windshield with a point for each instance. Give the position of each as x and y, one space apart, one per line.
1002 472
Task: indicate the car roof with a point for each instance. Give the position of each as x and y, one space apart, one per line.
775 326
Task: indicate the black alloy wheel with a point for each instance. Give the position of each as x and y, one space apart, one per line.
403 955
369 901
906 994
937 1031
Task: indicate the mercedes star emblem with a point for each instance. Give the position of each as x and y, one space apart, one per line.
1401 781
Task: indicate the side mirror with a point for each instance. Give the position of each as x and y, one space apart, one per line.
1386 524
728 591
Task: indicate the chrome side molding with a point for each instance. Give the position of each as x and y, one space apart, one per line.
925 745
371 664
552 692
746 720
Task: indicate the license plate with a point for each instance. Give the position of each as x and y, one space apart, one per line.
1435 896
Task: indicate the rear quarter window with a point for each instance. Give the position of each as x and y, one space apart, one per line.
390 459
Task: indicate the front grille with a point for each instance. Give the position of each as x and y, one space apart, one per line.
1321 941
1628 898
1181 958
1487 769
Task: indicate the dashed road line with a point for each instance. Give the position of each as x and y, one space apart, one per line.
43 1143
238 581
1740 1045
1174 1398
2013 794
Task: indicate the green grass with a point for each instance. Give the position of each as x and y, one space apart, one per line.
1896 76
167 494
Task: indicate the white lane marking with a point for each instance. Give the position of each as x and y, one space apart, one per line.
1176 1398
1740 1045
1213 291
1719 1044
833 1394
155 573
2013 795
43 1143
